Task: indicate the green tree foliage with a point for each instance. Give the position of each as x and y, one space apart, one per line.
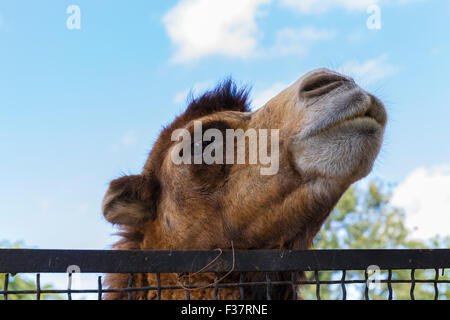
22 283
365 219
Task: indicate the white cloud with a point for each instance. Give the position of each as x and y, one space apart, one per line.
261 97
322 6
425 196
369 71
297 41
181 96
200 28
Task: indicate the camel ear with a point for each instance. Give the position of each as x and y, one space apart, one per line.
130 200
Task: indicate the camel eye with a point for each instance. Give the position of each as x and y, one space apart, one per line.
197 148
198 144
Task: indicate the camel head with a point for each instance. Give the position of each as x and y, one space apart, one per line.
299 153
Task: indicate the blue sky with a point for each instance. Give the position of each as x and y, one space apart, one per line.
81 107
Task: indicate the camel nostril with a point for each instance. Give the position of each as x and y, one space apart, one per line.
320 84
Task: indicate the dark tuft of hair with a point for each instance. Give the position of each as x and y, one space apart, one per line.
225 97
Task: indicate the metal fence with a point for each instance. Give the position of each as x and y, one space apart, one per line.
330 274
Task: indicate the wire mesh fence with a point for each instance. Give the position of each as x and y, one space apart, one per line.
306 274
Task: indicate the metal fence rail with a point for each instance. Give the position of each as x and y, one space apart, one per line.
340 262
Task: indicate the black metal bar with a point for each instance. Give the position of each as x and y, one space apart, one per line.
5 287
268 288
99 283
158 283
216 289
316 276
69 285
130 286
294 286
38 286
389 283
413 283
366 288
344 290
436 288
241 288
124 261
186 283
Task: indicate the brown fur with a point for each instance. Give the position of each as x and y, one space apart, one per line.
203 207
